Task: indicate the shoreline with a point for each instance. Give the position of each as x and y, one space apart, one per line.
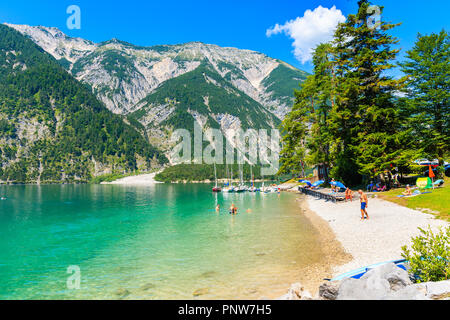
378 239
332 250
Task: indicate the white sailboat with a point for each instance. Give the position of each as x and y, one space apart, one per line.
241 187
253 188
230 187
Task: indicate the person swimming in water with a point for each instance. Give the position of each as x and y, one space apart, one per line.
218 208
233 209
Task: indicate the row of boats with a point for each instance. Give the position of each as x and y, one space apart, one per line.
244 188
241 187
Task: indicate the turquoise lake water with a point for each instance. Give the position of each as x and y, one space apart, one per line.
155 242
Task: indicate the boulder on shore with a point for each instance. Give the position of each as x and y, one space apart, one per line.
386 282
296 292
329 290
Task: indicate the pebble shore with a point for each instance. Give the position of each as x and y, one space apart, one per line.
378 239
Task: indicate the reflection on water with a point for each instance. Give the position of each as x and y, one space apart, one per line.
155 242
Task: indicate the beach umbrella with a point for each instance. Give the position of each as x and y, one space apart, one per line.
318 183
337 184
306 181
430 172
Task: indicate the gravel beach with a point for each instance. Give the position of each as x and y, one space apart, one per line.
375 240
142 179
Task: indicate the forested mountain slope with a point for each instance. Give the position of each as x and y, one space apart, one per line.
52 128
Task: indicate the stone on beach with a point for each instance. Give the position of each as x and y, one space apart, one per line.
423 291
122 293
329 290
200 292
375 284
416 291
438 290
296 292
386 282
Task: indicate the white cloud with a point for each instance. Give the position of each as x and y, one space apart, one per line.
313 28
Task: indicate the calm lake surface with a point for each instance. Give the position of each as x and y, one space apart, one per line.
154 242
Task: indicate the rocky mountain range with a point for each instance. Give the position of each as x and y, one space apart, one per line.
52 127
72 109
159 88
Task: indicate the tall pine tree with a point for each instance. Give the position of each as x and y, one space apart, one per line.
319 139
427 70
364 121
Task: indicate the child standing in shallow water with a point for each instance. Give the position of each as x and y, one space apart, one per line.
364 204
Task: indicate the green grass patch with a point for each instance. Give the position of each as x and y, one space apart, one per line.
438 201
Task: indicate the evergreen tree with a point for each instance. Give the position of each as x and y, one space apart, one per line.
427 70
295 129
365 121
319 139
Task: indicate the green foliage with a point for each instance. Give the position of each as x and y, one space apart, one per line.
365 121
429 256
295 130
355 126
427 69
64 63
7 129
201 172
282 81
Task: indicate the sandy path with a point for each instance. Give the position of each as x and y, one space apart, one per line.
143 179
375 240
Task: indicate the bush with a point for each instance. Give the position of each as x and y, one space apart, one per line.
430 255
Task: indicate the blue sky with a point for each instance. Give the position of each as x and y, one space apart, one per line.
242 24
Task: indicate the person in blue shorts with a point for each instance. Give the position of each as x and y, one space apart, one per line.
364 204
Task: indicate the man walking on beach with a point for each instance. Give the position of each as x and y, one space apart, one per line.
364 202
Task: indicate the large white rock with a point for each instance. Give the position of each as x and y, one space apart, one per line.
375 284
329 290
389 282
359 289
412 292
398 278
438 290
296 292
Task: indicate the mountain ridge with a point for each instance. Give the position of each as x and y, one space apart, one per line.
169 61
220 87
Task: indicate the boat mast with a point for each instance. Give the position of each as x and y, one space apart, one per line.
231 176
215 173
227 174
241 174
